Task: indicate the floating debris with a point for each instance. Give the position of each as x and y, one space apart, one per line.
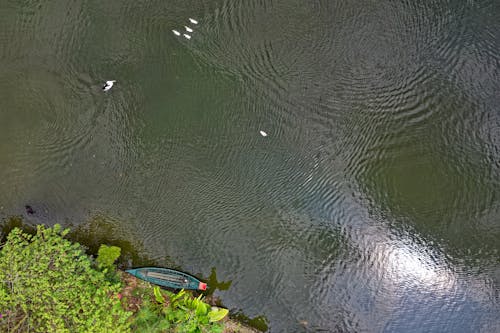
193 21
188 29
108 85
263 133
187 36
177 33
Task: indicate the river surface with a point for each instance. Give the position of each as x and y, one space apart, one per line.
373 203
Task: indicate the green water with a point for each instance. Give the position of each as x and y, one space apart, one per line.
371 206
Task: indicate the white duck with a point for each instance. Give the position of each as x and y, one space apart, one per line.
188 29
177 33
187 36
193 21
108 85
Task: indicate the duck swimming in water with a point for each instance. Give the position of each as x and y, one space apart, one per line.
188 29
177 33
108 85
193 21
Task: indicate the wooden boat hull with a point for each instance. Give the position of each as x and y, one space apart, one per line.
167 278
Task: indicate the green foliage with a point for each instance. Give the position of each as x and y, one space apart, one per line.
150 320
107 255
158 295
217 314
180 313
47 284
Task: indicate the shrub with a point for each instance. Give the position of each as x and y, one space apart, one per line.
48 284
107 255
179 313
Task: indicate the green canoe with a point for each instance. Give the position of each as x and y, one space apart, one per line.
168 278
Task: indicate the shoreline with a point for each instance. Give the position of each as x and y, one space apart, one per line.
133 286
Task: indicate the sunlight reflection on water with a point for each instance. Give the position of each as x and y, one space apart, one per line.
410 265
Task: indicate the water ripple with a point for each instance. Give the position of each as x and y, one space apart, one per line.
380 165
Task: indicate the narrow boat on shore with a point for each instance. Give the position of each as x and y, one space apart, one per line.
167 278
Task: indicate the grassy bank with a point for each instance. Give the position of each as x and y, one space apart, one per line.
49 284
154 309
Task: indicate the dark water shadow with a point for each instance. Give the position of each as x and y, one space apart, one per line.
91 236
100 230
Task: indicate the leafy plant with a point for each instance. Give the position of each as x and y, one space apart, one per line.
107 255
180 312
192 314
150 320
48 284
